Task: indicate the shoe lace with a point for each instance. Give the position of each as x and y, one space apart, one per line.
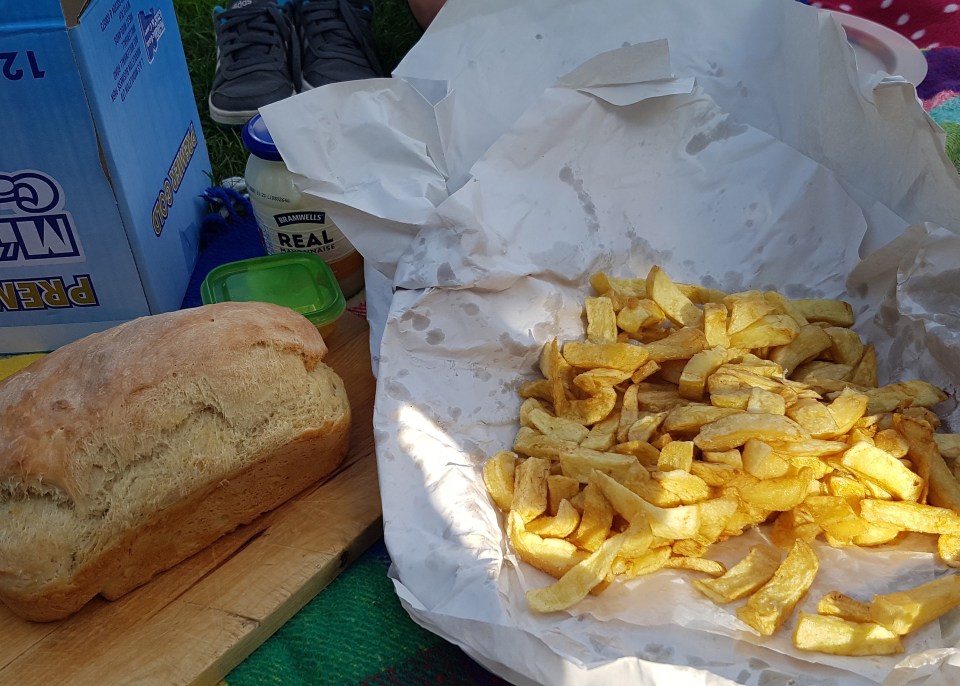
252 38
334 28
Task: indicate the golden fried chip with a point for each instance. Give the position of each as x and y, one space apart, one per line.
560 488
560 525
715 474
591 410
576 583
531 442
530 488
557 427
645 453
678 307
833 312
910 516
810 341
840 523
625 357
579 463
715 325
791 526
837 604
731 457
760 460
697 369
782 305
687 487
594 381
836 636
676 455
596 521
639 313
779 493
682 344
715 513
688 419
892 442
498 477
810 372
736 429
658 397
845 345
948 548
768 608
944 490
553 556
601 320
883 468
746 308
696 564
769 331
744 578
603 434
865 373
639 565
815 417
646 426
766 402
890 397
905 611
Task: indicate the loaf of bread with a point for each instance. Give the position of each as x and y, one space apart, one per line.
127 451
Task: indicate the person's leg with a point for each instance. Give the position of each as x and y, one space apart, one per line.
425 10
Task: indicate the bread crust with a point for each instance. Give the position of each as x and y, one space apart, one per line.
53 465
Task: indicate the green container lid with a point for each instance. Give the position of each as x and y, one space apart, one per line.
298 280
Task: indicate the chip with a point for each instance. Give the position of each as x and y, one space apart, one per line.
838 604
577 582
768 607
675 305
905 611
837 636
744 578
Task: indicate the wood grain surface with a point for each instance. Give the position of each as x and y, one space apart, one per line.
197 621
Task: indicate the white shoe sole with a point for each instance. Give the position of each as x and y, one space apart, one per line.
229 117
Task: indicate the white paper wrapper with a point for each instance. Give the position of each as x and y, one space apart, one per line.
528 145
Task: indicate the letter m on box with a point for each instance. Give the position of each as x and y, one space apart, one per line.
37 239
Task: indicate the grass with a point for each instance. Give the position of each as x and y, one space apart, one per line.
395 32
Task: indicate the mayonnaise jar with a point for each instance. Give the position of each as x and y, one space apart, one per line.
291 221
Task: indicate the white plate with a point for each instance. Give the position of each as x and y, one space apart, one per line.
881 49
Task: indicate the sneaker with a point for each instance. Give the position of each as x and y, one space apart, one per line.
336 41
255 41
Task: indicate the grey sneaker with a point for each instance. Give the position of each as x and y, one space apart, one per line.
255 45
336 41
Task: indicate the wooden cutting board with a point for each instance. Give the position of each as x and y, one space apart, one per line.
197 621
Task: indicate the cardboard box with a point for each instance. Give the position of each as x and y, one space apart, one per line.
102 168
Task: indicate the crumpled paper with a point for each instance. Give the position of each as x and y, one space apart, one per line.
522 147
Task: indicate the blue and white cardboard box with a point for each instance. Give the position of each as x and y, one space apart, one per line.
102 168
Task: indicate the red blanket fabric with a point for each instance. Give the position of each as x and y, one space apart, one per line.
928 23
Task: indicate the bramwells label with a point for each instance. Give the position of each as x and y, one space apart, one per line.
288 218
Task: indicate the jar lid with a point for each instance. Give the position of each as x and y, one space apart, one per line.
301 281
259 141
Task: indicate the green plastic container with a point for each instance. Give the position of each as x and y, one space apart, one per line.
300 281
